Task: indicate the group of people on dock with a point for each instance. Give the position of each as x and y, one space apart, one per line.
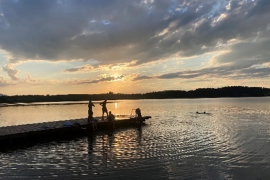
110 116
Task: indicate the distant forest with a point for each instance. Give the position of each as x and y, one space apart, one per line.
233 91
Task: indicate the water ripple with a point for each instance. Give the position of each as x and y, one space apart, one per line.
231 142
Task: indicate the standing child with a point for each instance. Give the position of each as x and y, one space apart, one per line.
90 110
104 108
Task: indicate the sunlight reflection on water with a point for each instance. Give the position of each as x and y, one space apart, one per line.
232 142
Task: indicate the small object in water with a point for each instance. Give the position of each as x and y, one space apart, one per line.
201 112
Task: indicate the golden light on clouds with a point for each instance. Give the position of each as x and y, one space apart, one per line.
143 49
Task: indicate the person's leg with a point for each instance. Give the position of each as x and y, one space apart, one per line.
92 114
93 126
102 114
107 113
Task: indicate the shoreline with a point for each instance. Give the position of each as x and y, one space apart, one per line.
79 101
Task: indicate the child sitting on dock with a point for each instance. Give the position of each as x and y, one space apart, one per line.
138 115
111 119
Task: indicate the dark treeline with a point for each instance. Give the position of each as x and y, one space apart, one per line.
234 91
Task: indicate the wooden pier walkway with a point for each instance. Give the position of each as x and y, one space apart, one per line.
57 129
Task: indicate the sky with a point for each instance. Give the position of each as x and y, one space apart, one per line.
132 46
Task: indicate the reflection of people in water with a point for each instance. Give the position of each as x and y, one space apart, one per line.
92 146
107 147
110 139
91 141
104 108
139 135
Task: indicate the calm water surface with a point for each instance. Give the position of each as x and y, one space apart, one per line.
231 142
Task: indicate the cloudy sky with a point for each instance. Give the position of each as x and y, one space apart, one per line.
136 46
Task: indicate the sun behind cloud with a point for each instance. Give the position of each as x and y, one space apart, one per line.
144 44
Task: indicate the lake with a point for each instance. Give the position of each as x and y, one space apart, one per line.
230 141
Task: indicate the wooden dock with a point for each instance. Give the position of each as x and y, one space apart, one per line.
30 133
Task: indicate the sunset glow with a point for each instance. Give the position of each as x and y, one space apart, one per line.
91 47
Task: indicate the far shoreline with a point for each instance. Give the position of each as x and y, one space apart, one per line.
224 92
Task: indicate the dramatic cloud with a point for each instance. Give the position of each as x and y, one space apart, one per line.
246 54
117 35
139 78
86 68
90 68
4 82
105 78
12 73
117 31
218 72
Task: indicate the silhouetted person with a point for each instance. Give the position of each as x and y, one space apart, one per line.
90 110
104 108
90 116
138 115
111 119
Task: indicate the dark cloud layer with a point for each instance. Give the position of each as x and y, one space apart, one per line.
143 77
103 79
120 31
229 72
